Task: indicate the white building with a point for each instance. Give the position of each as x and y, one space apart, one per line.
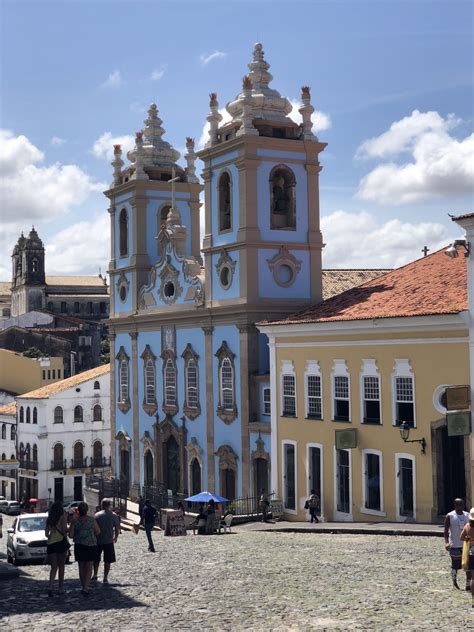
8 451
63 435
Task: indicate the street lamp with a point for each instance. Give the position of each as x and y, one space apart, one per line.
405 434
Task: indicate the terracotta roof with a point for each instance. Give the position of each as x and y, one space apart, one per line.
464 216
337 281
8 409
51 389
435 284
75 280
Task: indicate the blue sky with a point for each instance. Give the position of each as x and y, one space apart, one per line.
392 80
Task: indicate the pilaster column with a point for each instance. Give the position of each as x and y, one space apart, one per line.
209 406
112 260
315 237
274 415
135 416
245 336
113 405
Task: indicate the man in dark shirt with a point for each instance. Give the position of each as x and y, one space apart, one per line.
149 517
109 532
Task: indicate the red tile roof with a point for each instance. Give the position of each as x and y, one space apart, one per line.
8 409
57 387
339 280
435 284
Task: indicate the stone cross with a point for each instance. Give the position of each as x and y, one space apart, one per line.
425 251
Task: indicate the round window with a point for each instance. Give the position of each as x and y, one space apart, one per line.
285 274
225 277
123 293
169 289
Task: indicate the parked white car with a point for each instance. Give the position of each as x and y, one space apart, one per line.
26 540
10 507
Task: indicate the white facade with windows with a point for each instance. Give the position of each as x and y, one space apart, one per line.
63 435
7 450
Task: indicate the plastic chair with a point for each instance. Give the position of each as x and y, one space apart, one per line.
225 524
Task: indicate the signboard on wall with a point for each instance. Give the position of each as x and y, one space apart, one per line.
459 424
458 397
346 439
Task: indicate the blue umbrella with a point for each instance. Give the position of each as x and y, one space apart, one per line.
205 497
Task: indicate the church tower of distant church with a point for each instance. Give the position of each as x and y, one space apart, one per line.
191 370
28 274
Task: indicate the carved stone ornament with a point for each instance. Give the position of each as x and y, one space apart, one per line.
225 267
188 354
260 452
194 451
149 407
227 458
170 289
123 404
148 443
284 267
123 285
226 414
168 338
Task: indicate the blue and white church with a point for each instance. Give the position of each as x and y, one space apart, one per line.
191 379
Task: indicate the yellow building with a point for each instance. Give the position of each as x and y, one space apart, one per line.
363 362
20 375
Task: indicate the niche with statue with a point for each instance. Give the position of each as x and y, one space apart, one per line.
282 199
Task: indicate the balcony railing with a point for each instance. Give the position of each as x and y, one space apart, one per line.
59 465
101 462
78 464
28 464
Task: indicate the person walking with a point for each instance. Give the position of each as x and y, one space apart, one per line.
57 546
141 506
453 525
84 530
264 504
313 505
149 517
109 533
467 535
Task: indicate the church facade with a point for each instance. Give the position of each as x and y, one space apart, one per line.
190 383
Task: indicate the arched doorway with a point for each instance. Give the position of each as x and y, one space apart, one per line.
261 475
228 483
148 468
125 467
171 463
195 477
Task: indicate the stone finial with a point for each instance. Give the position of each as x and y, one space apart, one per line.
139 171
117 163
306 110
214 119
247 128
190 158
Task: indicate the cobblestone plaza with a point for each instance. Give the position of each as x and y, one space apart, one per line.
251 580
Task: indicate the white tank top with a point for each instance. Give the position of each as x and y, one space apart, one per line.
456 525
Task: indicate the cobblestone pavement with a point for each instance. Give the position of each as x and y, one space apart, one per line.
251 580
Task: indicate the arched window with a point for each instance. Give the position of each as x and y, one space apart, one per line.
28 453
58 415
96 385
191 384
35 415
50 306
97 453
169 382
78 414
58 455
34 265
22 414
4 431
149 381
123 233
163 215
123 396
282 198
97 413
191 406
78 452
226 409
35 453
28 415
12 433
4 456
225 215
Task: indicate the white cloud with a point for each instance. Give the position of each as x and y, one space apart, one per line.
16 152
104 145
56 141
205 58
356 240
65 250
158 73
321 120
441 164
114 80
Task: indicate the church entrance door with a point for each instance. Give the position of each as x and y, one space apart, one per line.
172 473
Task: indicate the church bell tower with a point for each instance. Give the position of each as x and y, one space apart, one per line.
28 274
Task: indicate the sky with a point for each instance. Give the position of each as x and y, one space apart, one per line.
391 81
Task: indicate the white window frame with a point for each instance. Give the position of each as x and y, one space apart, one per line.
312 369
191 363
123 384
340 515
287 368
369 369
266 389
402 368
364 509
411 457
340 369
170 388
150 384
321 476
229 385
283 470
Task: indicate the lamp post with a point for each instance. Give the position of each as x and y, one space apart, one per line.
405 434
